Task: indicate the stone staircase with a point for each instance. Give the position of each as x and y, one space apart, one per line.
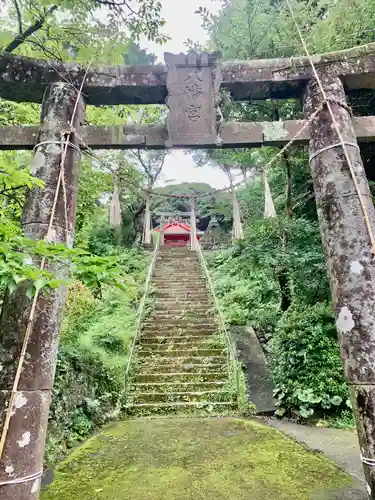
181 361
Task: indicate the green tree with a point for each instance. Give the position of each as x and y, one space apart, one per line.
79 29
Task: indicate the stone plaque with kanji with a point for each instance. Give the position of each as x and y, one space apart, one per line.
193 84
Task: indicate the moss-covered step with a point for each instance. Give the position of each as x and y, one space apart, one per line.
183 347
176 330
197 306
149 377
201 349
182 294
186 353
182 360
196 385
170 322
165 397
167 339
194 459
183 316
194 286
183 409
190 300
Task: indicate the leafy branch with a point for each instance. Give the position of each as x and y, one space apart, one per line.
33 28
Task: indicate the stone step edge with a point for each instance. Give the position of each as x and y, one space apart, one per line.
198 353
184 323
174 346
177 291
170 295
197 329
198 404
182 374
190 339
193 365
181 315
177 307
173 302
185 384
175 337
196 358
155 333
189 283
158 388
204 344
151 328
182 347
198 311
182 393
191 277
165 377
194 348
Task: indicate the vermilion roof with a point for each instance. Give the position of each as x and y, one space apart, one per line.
176 228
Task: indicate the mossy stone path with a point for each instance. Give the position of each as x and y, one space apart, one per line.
196 458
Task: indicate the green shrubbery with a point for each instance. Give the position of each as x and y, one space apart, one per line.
292 316
95 337
305 361
248 296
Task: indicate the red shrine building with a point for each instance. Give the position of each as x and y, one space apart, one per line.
177 233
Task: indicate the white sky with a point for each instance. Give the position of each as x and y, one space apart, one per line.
182 24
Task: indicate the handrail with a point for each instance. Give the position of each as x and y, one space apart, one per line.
141 310
222 325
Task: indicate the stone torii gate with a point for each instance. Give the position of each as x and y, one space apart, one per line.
189 85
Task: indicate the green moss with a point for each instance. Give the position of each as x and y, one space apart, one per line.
166 459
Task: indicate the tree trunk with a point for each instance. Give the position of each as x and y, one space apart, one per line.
22 457
285 290
349 253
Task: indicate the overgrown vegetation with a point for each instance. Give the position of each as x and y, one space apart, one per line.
95 339
276 281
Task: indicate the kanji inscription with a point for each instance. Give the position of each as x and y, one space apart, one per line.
193 112
194 91
193 83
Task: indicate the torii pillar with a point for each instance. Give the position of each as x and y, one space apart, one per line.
21 463
349 253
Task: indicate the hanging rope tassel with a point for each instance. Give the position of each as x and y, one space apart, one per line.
115 219
269 207
237 231
193 223
147 223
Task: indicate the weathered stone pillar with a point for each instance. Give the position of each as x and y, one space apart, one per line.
193 223
349 254
147 222
22 459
